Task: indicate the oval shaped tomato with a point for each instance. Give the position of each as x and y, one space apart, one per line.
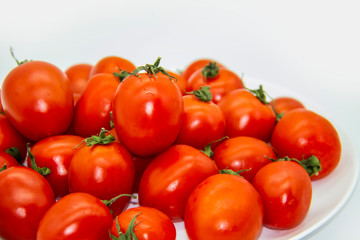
92 111
301 133
224 206
169 179
220 85
283 105
104 171
56 153
8 160
37 99
111 64
246 115
150 223
197 65
243 153
79 216
148 113
203 123
10 137
24 199
78 75
285 189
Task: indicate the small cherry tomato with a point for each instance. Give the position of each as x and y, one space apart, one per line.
243 153
285 189
56 153
197 65
24 199
79 216
169 179
224 206
111 64
301 133
283 105
37 100
149 223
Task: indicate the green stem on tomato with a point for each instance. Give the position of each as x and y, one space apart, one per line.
17 61
111 201
15 153
210 71
152 70
3 168
203 94
312 164
208 151
44 171
130 234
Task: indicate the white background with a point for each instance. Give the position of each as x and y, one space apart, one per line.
311 47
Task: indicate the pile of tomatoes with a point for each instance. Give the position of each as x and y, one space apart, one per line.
77 146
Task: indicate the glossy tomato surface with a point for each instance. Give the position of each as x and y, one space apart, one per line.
302 133
104 171
92 111
148 113
197 65
37 99
150 224
78 216
24 199
286 104
247 116
169 179
111 64
78 75
243 153
224 207
56 153
285 189
203 123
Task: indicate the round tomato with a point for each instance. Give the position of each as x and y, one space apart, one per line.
8 160
246 115
224 207
285 189
203 123
92 111
149 223
37 99
104 171
169 179
24 199
148 113
302 133
56 153
78 75
111 65
283 105
243 153
197 65
79 216
221 83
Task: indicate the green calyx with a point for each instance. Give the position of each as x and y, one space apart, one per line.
311 165
210 71
102 139
17 61
129 235
122 74
44 171
111 201
15 153
111 120
3 168
232 172
152 70
1 112
208 151
203 94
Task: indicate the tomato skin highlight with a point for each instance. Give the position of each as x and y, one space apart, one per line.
243 153
171 176
285 189
105 171
78 216
302 133
225 207
92 111
148 113
37 99
150 224
247 116
24 199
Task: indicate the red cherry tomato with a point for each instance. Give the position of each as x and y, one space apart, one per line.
104 171
112 64
10 137
37 99
302 133
78 75
197 65
78 216
148 113
203 123
246 115
56 153
8 160
285 104
224 207
169 179
243 153
285 189
150 223
225 82
24 199
92 111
